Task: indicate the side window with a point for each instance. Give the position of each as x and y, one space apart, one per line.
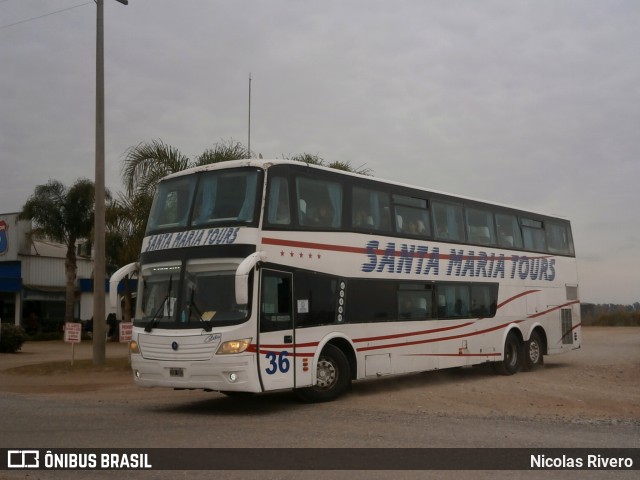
411 216
278 212
226 196
275 302
371 301
370 210
509 235
319 203
448 222
171 204
414 302
315 296
558 239
484 300
453 300
533 235
480 228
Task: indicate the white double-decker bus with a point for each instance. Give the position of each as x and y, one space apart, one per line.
264 275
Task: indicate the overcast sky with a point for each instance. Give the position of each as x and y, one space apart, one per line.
534 104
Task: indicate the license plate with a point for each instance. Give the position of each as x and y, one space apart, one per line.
176 372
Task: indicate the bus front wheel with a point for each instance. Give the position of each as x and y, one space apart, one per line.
333 377
511 363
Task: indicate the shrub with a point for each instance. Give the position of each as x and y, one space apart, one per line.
11 338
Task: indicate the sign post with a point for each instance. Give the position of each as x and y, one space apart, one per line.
126 333
72 335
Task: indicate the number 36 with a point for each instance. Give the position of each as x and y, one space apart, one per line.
278 362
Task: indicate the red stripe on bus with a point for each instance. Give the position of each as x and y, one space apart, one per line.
365 251
453 355
439 339
316 246
516 297
410 334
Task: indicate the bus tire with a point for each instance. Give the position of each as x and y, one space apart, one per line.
511 363
532 353
333 377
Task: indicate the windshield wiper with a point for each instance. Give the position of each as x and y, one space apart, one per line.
155 319
207 323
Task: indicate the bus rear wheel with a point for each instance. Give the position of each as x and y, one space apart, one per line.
511 363
532 353
333 377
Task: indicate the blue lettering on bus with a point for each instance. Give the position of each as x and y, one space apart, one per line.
193 238
526 268
455 261
422 259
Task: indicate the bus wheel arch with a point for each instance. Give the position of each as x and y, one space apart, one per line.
511 362
335 370
534 349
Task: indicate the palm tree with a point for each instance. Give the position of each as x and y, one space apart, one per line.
126 220
146 163
65 216
336 164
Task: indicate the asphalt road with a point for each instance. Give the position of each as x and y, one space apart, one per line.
419 411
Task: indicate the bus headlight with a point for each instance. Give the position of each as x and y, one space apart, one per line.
133 347
234 346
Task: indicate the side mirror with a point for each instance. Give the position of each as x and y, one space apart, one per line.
242 276
115 280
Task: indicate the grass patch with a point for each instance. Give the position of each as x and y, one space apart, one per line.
64 367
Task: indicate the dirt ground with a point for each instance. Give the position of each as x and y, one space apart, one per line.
600 383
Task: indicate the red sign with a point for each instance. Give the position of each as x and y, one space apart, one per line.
126 330
72 332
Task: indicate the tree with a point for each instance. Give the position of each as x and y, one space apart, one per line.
64 215
146 163
336 164
126 221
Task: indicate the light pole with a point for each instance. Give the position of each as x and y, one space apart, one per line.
99 269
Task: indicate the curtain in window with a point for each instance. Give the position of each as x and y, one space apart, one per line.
246 212
335 197
209 189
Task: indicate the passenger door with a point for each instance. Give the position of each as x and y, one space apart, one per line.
276 338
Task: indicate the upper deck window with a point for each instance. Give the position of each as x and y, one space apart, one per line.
319 203
171 203
558 239
480 227
533 235
509 235
448 222
411 216
370 210
226 196
218 197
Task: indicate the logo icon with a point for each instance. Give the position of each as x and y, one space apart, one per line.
23 459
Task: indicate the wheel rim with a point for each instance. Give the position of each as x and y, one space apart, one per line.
534 352
327 374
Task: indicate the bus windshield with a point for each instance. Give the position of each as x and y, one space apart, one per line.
206 299
210 198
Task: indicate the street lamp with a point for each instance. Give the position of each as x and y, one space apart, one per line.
99 270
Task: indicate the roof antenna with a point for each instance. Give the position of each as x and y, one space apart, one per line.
249 134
